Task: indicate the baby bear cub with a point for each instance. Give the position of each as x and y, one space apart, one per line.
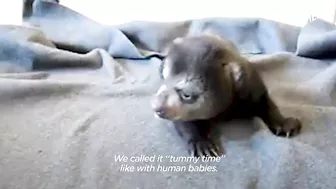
206 81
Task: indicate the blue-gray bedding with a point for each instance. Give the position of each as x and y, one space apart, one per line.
75 93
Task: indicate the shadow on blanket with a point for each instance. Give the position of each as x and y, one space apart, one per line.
75 93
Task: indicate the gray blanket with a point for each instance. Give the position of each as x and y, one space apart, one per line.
74 102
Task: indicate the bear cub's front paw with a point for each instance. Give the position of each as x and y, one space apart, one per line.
205 147
290 127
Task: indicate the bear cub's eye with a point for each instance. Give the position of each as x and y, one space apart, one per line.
187 96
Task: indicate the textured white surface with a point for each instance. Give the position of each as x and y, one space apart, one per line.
116 12
294 12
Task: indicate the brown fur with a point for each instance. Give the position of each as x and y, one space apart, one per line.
205 80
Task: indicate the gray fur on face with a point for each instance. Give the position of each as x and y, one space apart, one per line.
197 79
